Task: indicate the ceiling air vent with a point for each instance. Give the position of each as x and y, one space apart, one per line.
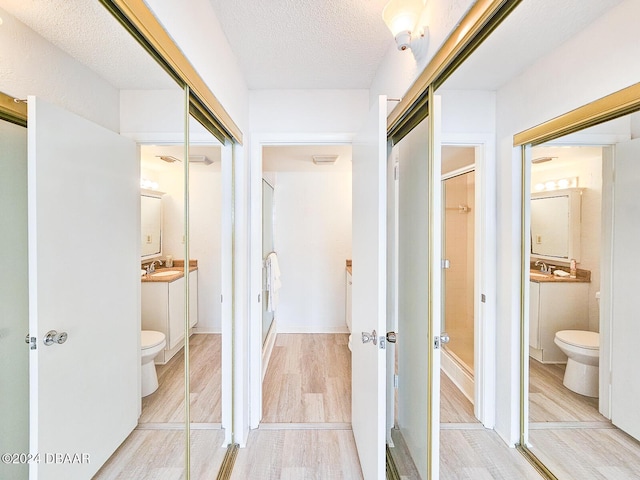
192 159
325 159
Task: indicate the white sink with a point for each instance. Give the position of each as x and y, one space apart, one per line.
165 273
539 274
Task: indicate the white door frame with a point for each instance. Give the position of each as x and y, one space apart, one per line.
485 271
259 140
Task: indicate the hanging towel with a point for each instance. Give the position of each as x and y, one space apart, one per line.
273 281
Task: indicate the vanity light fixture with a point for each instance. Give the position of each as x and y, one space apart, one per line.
401 17
559 184
148 184
325 159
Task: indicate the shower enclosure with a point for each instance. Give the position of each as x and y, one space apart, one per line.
458 192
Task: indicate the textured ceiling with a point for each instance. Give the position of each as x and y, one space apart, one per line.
532 30
306 44
88 32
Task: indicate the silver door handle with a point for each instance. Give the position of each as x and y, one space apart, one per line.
370 337
440 340
54 337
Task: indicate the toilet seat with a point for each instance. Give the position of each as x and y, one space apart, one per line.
150 339
580 339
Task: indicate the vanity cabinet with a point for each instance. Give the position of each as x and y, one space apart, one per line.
555 306
163 311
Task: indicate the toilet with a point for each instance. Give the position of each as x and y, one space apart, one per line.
583 350
152 344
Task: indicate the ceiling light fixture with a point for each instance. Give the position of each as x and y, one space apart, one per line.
401 17
325 159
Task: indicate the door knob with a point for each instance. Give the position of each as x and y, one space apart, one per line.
54 337
370 337
440 340
392 337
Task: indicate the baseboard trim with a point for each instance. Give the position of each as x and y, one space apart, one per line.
312 329
458 375
267 347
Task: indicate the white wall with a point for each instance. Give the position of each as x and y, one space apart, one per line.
33 66
586 164
196 30
603 59
313 241
313 111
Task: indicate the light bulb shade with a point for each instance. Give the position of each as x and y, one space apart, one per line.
402 15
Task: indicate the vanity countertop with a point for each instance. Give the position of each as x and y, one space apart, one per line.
178 268
582 276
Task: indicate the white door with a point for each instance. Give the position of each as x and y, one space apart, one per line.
84 263
625 327
369 291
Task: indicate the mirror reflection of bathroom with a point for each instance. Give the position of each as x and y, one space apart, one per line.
162 171
458 286
563 298
581 332
306 244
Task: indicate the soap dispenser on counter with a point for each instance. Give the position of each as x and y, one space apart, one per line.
169 261
572 268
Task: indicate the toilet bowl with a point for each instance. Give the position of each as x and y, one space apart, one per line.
583 351
152 344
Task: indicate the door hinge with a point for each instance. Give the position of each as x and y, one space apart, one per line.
446 263
31 341
395 381
258 298
221 299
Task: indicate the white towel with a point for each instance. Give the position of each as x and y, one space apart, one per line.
273 281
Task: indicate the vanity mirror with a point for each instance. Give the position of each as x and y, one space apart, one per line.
151 224
555 224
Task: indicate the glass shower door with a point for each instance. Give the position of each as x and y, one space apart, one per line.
458 283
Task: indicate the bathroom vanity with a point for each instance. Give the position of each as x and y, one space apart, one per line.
163 306
555 304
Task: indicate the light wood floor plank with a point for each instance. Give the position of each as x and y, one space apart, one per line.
167 403
479 454
298 454
587 453
454 406
159 454
551 401
308 379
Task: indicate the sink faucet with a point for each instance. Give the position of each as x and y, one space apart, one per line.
152 266
542 265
